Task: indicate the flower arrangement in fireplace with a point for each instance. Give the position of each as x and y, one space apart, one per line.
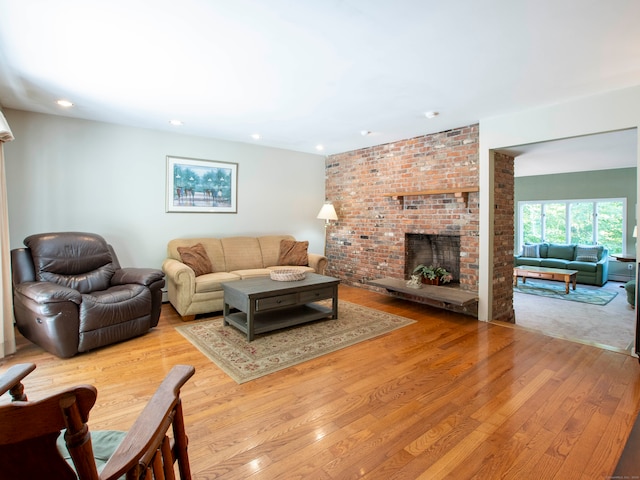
433 274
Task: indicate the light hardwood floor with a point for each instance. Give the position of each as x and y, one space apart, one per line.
446 397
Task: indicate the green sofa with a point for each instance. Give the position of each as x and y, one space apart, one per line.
591 261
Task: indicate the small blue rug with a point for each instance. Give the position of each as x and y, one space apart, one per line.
592 296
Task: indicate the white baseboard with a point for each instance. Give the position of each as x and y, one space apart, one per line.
619 278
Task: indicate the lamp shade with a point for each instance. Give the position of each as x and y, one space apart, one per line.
327 212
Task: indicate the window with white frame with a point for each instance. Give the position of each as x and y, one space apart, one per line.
585 222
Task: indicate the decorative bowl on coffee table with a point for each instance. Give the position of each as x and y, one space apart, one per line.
287 275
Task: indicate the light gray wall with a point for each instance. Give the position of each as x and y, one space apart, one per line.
67 174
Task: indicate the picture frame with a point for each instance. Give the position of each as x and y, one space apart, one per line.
201 186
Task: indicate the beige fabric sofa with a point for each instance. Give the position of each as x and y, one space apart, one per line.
232 258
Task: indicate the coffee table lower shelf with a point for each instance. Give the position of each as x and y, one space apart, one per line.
276 319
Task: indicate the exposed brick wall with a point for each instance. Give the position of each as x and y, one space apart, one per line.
503 239
367 242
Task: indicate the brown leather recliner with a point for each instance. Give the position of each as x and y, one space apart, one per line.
70 294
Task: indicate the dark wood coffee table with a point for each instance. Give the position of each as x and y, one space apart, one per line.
266 304
559 274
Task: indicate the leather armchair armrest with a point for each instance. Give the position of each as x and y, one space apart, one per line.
48 292
141 276
22 268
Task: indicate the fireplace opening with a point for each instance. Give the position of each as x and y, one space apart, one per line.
438 250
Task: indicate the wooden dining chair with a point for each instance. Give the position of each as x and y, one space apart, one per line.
50 438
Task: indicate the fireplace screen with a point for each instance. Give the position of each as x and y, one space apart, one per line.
438 250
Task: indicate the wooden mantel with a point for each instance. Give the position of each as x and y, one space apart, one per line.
461 193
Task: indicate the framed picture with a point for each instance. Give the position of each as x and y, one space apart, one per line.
205 186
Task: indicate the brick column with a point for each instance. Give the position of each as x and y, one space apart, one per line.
503 240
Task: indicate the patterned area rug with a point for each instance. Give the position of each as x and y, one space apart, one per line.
228 348
593 296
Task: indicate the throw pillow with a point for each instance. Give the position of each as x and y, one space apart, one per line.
196 257
293 253
532 251
587 254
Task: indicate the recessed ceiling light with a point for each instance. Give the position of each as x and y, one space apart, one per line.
65 103
319 148
176 123
365 133
431 114
256 136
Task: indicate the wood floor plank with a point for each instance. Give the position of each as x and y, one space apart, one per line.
446 397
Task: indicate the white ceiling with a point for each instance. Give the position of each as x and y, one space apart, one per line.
603 151
307 72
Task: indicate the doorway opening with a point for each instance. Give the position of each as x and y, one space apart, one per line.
547 171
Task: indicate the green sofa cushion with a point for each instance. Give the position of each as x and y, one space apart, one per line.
583 266
588 253
544 250
531 262
561 251
554 263
531 251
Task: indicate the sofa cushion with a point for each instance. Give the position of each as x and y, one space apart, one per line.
544 250
212 282
561 251
590 267
270 247
532 251
212 246
196 257
554 263
528 261
241 253
293 253
588 253
252 273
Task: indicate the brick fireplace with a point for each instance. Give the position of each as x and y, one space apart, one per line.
384 193
368 241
